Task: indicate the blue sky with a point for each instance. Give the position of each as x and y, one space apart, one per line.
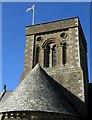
14 20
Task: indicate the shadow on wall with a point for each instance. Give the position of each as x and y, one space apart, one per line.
89 108
78 105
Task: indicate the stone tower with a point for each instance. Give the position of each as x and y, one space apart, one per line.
61 49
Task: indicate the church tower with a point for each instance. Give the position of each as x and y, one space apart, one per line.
55 77
61 49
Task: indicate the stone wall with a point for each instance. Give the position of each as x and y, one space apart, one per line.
70 78
70 75
50 26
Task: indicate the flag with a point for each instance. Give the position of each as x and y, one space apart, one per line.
31 8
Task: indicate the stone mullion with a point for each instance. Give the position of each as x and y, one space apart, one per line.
59 55
41 57
44 52
50 62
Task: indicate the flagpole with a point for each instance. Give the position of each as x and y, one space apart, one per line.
33 10
33 16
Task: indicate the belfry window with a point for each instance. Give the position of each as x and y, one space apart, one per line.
37 55
47 56
64 53
54 56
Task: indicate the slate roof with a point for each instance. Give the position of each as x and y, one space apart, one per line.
37 92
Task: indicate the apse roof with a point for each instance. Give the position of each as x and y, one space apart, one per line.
37 92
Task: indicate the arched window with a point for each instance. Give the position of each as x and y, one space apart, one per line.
54 56
64 53
37 55
46 56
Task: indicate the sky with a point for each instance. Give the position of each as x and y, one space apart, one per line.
15 19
